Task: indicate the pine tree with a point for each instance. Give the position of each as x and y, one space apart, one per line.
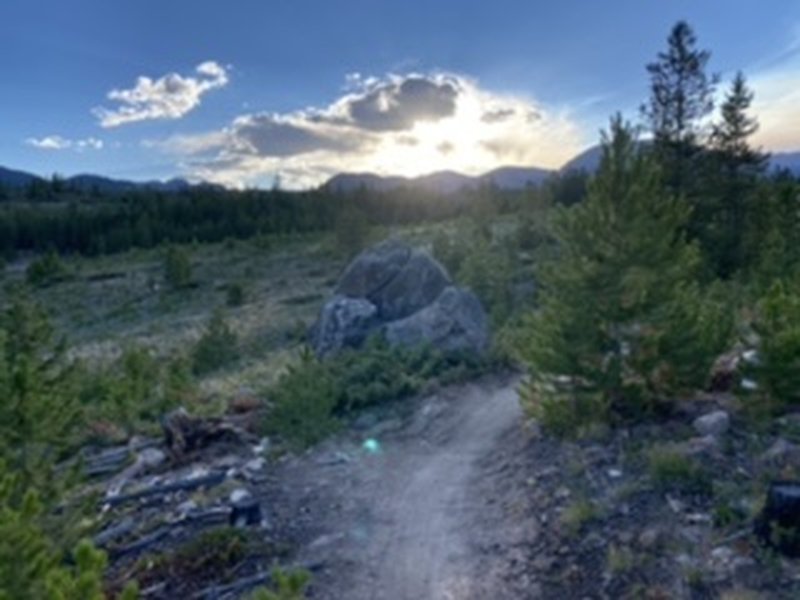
622 323
730 136
730 174
177 268
681 97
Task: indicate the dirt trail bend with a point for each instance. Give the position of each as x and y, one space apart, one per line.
406 523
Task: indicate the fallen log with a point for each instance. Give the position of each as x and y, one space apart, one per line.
192 483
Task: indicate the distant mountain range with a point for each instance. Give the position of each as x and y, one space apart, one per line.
440 182
17 179
589 160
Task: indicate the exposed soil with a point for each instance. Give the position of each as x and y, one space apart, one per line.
407 522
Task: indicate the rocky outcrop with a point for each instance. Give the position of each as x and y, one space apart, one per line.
454 321
343 323
407 296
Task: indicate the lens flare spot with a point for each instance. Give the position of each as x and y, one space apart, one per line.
371 446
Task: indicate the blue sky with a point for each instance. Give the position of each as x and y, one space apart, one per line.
244 89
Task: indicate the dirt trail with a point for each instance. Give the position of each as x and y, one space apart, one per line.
406 523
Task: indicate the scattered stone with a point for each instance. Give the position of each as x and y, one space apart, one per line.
714 423
239 495
245 511
151 458
781 451
244 402
650 538
778 525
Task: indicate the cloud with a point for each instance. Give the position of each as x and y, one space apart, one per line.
56 142
399 124
168 97
399 103
777 97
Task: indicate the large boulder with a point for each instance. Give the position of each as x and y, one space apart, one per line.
397 279
454 322
373 269
407 296
344 322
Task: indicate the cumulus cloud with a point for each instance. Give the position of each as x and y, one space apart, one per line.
399 124
168 97
56 142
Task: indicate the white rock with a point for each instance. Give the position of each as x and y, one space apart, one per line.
714 423
749 385
255 465
151 458
239 495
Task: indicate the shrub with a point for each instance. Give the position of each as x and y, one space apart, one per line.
487 271
234 295
45 270
177 268
217 348
304 401
672 471
288 585
136 389
577 514
777 324
312 395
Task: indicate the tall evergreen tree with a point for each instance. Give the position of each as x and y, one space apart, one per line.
681 97
730 172
729 137
622 322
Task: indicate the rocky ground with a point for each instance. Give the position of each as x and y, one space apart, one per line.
455 495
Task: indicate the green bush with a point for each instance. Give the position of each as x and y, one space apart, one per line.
45 270
234 295
312 395
177 268
304 400
41 422
487 271
136 389
288 585
622 321
217 348
671 470
777 324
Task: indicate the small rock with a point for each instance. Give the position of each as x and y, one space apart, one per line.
263 446
244 402
543 563
650 538
749 384
255 465
245 511
562 493
714 423
184 508
781 451
150 458
614 473
239 495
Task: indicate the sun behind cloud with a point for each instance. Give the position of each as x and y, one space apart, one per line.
408 125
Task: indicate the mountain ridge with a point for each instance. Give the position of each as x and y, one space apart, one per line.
441 182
